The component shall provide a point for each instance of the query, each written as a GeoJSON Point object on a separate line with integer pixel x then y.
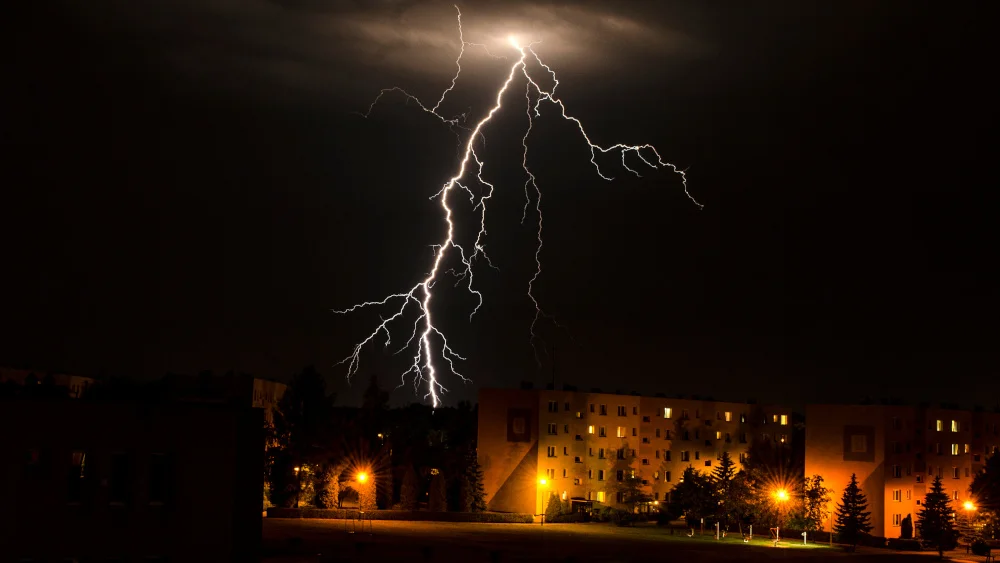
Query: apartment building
{"type": "Point", "coordinates": [75, 385]}
{"type": "Point", "coordinates": [896, 451]}
{"type": "Point", "coordinates": [130, 481]}
{"type": "Point", "coordinates": [577, 445]}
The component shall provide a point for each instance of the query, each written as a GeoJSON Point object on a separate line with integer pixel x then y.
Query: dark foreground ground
{"type": "Point", "coordinates": [295, 541]}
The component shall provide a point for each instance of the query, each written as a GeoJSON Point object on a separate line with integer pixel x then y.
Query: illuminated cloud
{"type": "Point", "coordinates": [331, 44]}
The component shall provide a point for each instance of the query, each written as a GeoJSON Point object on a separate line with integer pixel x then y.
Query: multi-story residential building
{"type": "Point", "coordinates": [896, 451]}
{"type": "Point", "coordinates": [579, 446]}
{"type": "Point", "coordinates": [110, 480]}
{"type": "Point", "coordinates": [75, 385]}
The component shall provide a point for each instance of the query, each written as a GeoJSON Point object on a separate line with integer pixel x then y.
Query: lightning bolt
{"type": "Point", "coordinates": [419, 297]}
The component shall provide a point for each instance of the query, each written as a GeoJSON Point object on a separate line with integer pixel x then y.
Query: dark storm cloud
{"type": "Point", "coordinates": [321, 46]}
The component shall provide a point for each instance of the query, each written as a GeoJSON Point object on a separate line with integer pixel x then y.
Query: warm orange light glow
{"type": "Point", "coordinates": [362, 477]}
{"type": "Point", "coordinates": [542, 481]}
{"type": "Point", "coordinates": [968, 505]}
{"type": "Point", "coordinates": [781, 494]}
{"type": "Point", "coordinates": [296, 469]}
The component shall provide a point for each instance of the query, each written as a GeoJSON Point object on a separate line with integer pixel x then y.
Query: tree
{"type": "Point", "coordinates": [986, 490]}
{"type": "Point", "coordinates": [302, 431]}
{"type": "Point", "coordinates": [554, 507]}
{"type": "Point", "coordinates": [438, 501]}
{"type": "Point", "coordinates": [906, 528]}
{"type": "Point", "coordinates": [474, 477]}
{"type": "Point", "coordinates": [815, 498]}
{"type": "Point", "coordinates": [409, 491]}
{"type": "Point", "coordinates": [935, 521]}
{"type": "Point", "coordinates": [723, 482]}
{"type": "Point", "coordinates": [627, 485]}
{"type": "Point", "coordinates": [694, 496]}
{"type": "Point", "coordinates": [852, 518]}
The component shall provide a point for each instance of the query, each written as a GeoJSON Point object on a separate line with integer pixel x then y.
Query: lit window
{"type": "Point", "coordinates": [955, 495]}
{"type": "Point", "coordinates": [718, 434]}
{"type": "Point", "coordinates": [939, 425]}
{"type": "Point", "coordinates": [656, 475]}
{"type": "Point", "coordinates": [622, 432]}
{"type": "Point", "coordinates": [667, 412]}
{"type": "Point", "coordinates": [565, 495]}
{"type": "Point", "coordinates": [729, 416]}
{"type": "Point", "coordinates": [954, 449]}
{"type": "Point", "coordinates": [954, 426]}
{"type": "Point", "coordinates": [579, 414]}
{"type": "Point", "coordinates": [966, 448]}
{"type": "Point", "coordinates": [784, 420]}
{"type": "Point", "coordinates": [774, 418]}
{"type": "Point", "coordinates": [590, 429]}
{"type": "Point", "coordinates": [600, 496]}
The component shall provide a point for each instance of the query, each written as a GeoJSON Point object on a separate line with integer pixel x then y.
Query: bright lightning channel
{"type": "Point", "coordinates": [419, 297]}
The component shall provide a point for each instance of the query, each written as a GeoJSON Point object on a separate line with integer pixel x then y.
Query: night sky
{"type": "Point", "coordinates": [187, 186]}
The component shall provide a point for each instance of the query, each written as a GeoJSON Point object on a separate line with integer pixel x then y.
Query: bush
{"type": "Point", "coordinates": [334, 514]}
{"type": "Point", "coordinates": [572, 517]}
{"type": "Point", "coordinates": [903, 544]}
{"type": "Point", "coordinates": [980, 547]}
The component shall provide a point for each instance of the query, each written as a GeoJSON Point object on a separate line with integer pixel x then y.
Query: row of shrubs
{"type": "Point", "coordinates": [339, 514]}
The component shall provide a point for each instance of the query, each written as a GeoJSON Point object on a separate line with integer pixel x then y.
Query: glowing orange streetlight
{"type": "Point", "coordinates": [781, 495]}
{"type": "Point", "coordinates": [542, 481]}
{"type": "Point", "coordinates": [362, 477]}
{"type": "Point", "coordinates": [969, 506]}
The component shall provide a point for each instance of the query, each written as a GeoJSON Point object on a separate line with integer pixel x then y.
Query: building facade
{"type": "Point", "coordinates": [580, 446]}
{"type": "Point", "coordinates": [895, 452]}
{"type": "Point", "coordinates": [125, 481]}
{"type": "Point", "coordinates": [75, 385]}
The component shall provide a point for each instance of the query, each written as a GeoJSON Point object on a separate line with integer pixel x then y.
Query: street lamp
{"type": "Point", "coordinates": [782, 496]}
{"type": "Point", "coordinates": [362, 477]}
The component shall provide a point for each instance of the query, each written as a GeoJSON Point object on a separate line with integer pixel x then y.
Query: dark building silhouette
{"type": "Point", "coordinates": [130, 481]}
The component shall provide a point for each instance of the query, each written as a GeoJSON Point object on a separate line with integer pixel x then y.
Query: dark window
{"type": "Point", "coordinates": [118, 478]}
{"type": "Point", "coordinates": [77, 474]}
{"type": "Point", "coordinates": [159, 478]}
{"type": "Point", "coordinates": [708, 463]}
{"type": "Point", "coordinates": [566, 406]}
{"type": "Point", "coordinates": [620, 475]}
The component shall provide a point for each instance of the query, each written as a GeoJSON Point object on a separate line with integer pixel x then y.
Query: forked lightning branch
{"type": "Point", "coordinates": [412, 309]}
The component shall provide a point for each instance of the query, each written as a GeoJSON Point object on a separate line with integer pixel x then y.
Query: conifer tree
{"type": "Point", "coordinates": [852, 518]}
{"type": "Point", "coordinates": [935, 521]}
{"type": "Point", "coordinates": [553, 508]}
{"type": "Point", "coordinates": [409, 490]}
{"type": "Point", "coordinates": [438, 501]}
{"type": "Point", "coordinates": [474, 478]}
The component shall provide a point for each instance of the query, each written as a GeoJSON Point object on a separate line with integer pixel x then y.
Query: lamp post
{"type": "Point", "coordinates": [970, 509]}
{"type": "Point", "coordinates": [782, 497]}
{"type": "Point", "coordinates": [298, 485]}
{"type": "Point", "coordinates": [542, 486]}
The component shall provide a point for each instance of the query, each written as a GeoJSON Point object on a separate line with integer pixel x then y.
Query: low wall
{"type": "Point", "coordinates": [335, 514]}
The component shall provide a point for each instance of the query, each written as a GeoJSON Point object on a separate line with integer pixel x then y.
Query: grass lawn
{"type": "Point", "coordinates": [294, 541]}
